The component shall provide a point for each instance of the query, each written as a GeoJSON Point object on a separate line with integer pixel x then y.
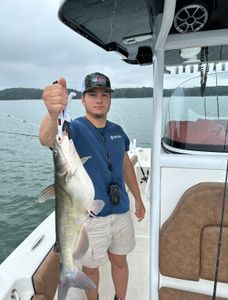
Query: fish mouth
{"type": "Point", "coordinates": [59, 153]}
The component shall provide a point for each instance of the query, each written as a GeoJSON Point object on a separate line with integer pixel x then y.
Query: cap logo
{"type": "Point", "coordinates": [96, 80]}
{"type": "Point", "coordinates": [99, 79]}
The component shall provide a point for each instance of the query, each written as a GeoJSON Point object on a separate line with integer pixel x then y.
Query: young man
{"type": "Point", "coordinates": [111, 233]}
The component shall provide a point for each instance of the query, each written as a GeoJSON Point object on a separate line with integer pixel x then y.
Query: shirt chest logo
{"type": "Point", "coordinates": [115, 137]}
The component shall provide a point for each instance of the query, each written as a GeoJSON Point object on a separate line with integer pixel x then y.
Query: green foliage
{"type": "Point", "coordinates": [20, 93]}
{"type": "Point", "coordinates": [24, 93]}
{"type": "Point", "coordinates": [143, 92]}
{"type": "Point", "coordinates": [30, 93]}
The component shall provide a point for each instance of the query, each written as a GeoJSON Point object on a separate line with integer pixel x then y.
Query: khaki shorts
{"type": "Point", "coordinates": [114, 233]}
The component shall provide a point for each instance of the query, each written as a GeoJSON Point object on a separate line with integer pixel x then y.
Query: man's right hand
{"type": "Point", "coordinates": [55, 98]}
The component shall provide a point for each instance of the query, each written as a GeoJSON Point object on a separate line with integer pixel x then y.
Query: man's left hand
{"type": "Point", "coordinates": [139, 210]}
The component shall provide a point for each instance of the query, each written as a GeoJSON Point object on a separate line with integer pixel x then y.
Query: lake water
{"type": "Point", "coordinates": [27, 167]}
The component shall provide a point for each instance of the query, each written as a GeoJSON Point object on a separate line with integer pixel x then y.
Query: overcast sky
{"type": "Point", "coordinates": [36, 49]}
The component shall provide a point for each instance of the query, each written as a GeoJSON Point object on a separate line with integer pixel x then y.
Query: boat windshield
{"type": "Point", "coordinates": [196, 117]}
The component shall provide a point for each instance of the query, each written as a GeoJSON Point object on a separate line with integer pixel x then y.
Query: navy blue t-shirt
{"type": "Point", "coordinates": [105, 146]}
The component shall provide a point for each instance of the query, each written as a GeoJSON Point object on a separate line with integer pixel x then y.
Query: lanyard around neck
{"type": "Point", "coordinates": [100, 133]}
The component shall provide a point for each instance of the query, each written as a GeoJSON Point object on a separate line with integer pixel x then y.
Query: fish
{"type": "Point", "coordinates": [74, 199]}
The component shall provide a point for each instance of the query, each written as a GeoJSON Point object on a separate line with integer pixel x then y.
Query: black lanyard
{"type": "Point", "coordinates": [104, 142]}
{"type": "Point", "coordinates": [100, 134]}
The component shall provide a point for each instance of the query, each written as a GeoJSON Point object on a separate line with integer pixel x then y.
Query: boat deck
{"type": "Point", "coordinates": [138, 261]}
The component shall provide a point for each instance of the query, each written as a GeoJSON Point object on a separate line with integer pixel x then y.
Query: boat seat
{"type": "Point", "coordinates": [46, 278]}
{"type": "Point", "coordinates": [174, 294]}
{"type": "Point", "coordinates": [189, 237]}
{"type": "Point", "coordinates": [201, 131]}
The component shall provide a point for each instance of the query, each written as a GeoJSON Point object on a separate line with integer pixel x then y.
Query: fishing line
{"type": "Point", "coordinates": [115, 112]}
{"type": "Point", "coordinates": [219, 249]}
{"type": "Point", "coordinates": [17, 133]}
{"type": "Point", "coordinates": [19, 119]}
{"type": "Point", "coordinates": [145, 176]}
{"type": "Point", "coordinates": [217, 97]}
{"type": "Point", "coordinates": [226, 132]}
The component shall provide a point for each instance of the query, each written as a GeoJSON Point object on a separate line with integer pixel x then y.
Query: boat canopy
{"type": "Point", "coordinates": [121, 26]}
{"type": "Point", "coordinates": [130, 27]}
{"type": "Point", "coordinates": [197, 38]}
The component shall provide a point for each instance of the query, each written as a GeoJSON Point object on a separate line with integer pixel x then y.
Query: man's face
{"type": "Point", "coordinates": [97, 102]}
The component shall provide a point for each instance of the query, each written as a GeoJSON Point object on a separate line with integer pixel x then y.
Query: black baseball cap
{"type": "Point", "coordinates": [95, 80]}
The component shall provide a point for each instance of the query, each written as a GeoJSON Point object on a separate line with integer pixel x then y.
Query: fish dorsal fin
{"type": "Point", "coordinates": [85, 158]}
{"type": "Point", "coordinates": [82, 244]}
{"type": "Point", "coordinates": [96, 207]}
{"type": "Point", "coordinates": [47, 194]}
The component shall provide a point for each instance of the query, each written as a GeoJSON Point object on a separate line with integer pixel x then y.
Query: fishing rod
{"type": "Point", "coordinates": [145, 176]}
{"type": "Point", "coordinates": [219, 248]}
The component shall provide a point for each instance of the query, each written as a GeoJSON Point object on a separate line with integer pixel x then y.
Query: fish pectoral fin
{"type": "Point", "coordinates": [75, 279]}
{"type": "Point", "coordinates": [69, 176]}
{"type": "Point", "coordinates": [84, 159]}
{"type": "Point", "coordinates": [47, 194]}
{"type": "Point", "coordinates": [97, 207]}
{"type": "Point", "coordinates": [82, 244]}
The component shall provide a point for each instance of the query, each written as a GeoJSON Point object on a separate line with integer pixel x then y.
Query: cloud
{"type": "Point", "coordinates": [36, 48]}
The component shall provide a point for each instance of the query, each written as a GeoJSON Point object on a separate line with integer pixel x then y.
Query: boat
{"type": "Point", "coordinates": [182, 246]}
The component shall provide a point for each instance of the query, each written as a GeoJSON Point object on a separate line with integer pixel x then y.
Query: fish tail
{"type": "Point", "coordinates": [75, 279]}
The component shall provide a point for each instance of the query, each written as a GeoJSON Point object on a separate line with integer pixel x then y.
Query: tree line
{"type": "Point", "coordinates": [141, 92]}
{"type": "Point", "coordinates": [32, 93]}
